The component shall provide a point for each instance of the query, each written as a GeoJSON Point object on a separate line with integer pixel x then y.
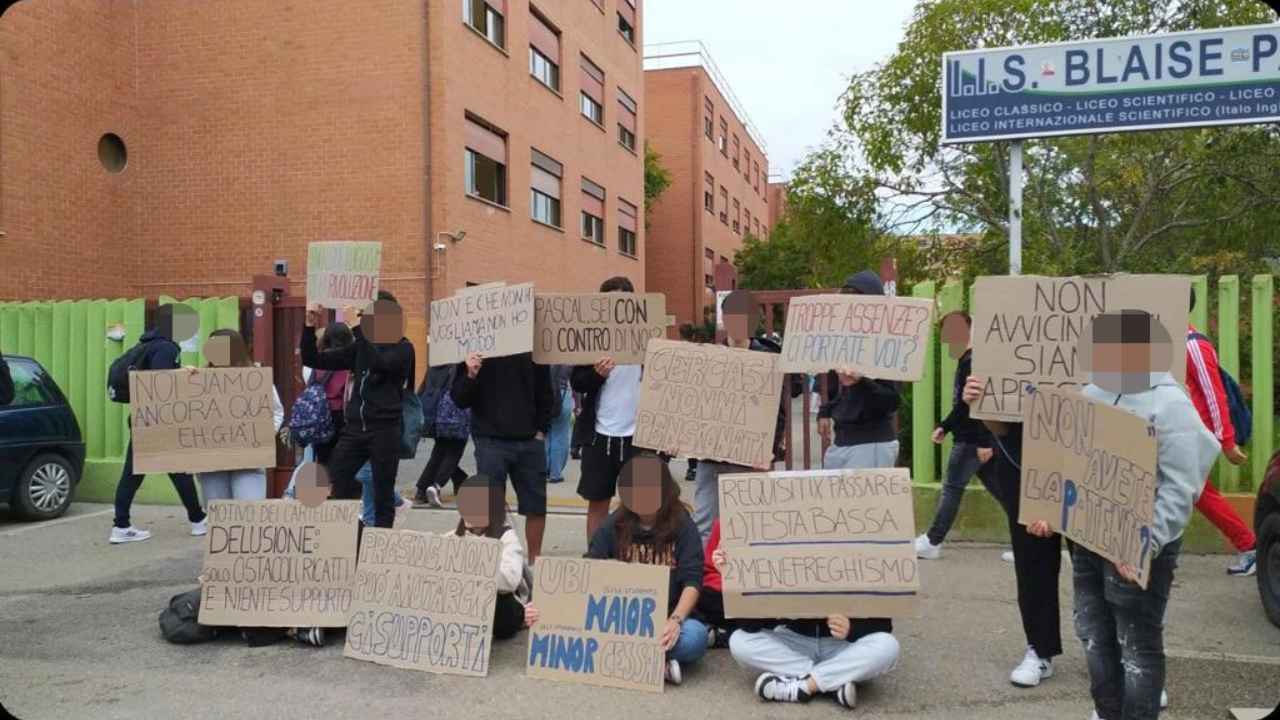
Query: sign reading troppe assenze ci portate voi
{"type": "Point", "coordinates": [1225, 76]}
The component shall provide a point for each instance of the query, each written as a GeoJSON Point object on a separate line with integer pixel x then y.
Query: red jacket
{"type": "Point", "coordinates": [710, 575]}
{"type": "Point", "coordinates": [1204, 384]}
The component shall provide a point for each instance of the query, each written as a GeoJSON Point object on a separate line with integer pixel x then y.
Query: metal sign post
{"type": "Point", "coordinates": [1015, 208]}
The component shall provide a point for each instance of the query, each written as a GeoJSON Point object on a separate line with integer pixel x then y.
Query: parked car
{"type": "Point", "coordinates": [1266, 523]}
{"type": "Point", "coordinates": [41, 450]}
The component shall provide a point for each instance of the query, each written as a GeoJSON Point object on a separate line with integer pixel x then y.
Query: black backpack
{"type": "Point", "coordinates": [178, 622]}
{"type": "Point", "coordinates": [118, 373]}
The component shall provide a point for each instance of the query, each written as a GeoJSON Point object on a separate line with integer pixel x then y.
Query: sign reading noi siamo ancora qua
{"type": "Point", "coordinates": [1228, 76]}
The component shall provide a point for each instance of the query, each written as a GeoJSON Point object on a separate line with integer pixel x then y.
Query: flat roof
{"type": "Point", "coordinates": [694, 53]}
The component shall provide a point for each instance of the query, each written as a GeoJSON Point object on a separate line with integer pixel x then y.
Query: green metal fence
{"type": "Point", "coordinates": [70, 339]}
{"type": "Point", "coordinates": [932, 396]}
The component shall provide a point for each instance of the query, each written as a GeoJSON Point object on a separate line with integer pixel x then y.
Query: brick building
{"type": "Point", "coordinates": [777, 200]}
{"type": "Point", "coordinates": [719, 176]}
{"type": "Point", "coordinates": [174, 148]}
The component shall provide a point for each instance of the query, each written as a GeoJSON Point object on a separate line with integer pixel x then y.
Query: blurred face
{"type": "Point", "coordinates": [312, 486]}
{"type": "Point", "coordinates": [955, 333]}
{"type": "Point", "coordinates": [1122, 355]}
{"type": "Point", "coordinates": [476, 502]}
{"type": "Point", "coordinates": [225, 351]}
{"type": "Point", "coordinates": [186, 326]}
{"type": "Point", "coordinates": [641, 486]}
{"type": "Point", "coordinates": [383, 322]}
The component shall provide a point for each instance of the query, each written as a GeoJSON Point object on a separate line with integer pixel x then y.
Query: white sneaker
{"type": "Point", "coordinates": [672, 674]}
{"type": "Point", "coordinates": [433, 497]}
{"type": "Point", "coordinates": [1031, 670]}
{"type": "Point", "coordinates": [1164, 699]}
{"type": "Point", "coordinates": [776, 688]}
{"type": "Point", "coordinates": [126, 535]}
{"type": "Point", "coordinates": [1095, 716]}
{"type": "Point", "coordinates": [926, 550]}
{"type": "Point", "coordinates": [200, 528]}
{"type": "Point", "coordinates": [847, 695]}
{"type": "Point", "coordinates": [401, 511]}
{"type": "Point", "coordinates": [1007, 556]}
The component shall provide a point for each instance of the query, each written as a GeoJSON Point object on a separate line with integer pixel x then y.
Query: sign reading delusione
{"type": "Point", "coordinates": [1225, 76]}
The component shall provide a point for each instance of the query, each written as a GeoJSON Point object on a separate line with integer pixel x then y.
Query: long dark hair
{"type": "Point", "coordinates": [337, 336]}
{"type": "Point", "coordinates": [497, 507]}
{"type": "Point", "coordinates": [239, 351]}
{"type": "Point", "coordinates": [669, 518]}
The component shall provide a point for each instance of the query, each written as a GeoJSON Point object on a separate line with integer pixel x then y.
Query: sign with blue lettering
{"type": "Point", "coordinates": [1089, 471]}
{"type": "Point", "coordinates": [1227, 76]}
{"type": "Point", "coordinates": [601, 623]}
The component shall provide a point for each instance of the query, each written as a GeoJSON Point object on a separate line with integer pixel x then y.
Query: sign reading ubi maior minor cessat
{"type": "Point", "coordinates": [1227, 76]}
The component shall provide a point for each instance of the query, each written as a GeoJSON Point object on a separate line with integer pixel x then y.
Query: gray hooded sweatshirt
{"type": "Point", "coordinates": [1185, 450]}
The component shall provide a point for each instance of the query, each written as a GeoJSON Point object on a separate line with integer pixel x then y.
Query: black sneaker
{"type": "Point", "coordinates": [782, 689]}
{"type": "Point", "coordinates": [847, 696]}
{"type": "Point", "coordinates": [717, 638]}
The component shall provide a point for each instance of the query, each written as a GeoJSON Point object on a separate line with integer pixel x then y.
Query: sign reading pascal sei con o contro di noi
{"type": "Point", "coordinates": [1226, 76]}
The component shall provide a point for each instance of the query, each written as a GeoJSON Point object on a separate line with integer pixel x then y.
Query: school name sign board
{"type": "Point", "coordinates": [494, 320]}
{"type": "Point", "coordinates": [1089, 470]}
{"type": "Point", "coordinates": [882, 337]}
{"type": "Point", "coordinates": [813, 543]}
{"type": "Point", "coordinates": [342, 274]}
{"type": "Point", "coordinates": [202, 420]}
{"type": "Point", "coordinates": [1226, 76]}
{"type": "Point", "coordinates": [424, 602]}
{"type": "Point", "coordinates": [581, 329]}
{"type": "Point", "coordinates": [601, 623]}
{"type": "Point", "coordinates": [1027, 330]}
{"type": "Point", "coordinates": [709, 402]}
{"type": "Point", "coordinates": [279, 563]}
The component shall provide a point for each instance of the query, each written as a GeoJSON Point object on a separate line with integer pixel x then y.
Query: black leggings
{"type": "Point", "coordinates": [508, 617]}
{"type": "Point", "coordinates": [446, 453]}
{"type": "Point", "coordinates": [129, 483]}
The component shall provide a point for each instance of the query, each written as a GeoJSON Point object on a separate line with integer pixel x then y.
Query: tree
{"type": "Point", "coordinates": [1152, 201]}
{"type": "Point", "coordinates": [657, 178]}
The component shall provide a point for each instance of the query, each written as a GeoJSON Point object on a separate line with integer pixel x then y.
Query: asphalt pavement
{"type": "Point", "coordinates": [79, 639]}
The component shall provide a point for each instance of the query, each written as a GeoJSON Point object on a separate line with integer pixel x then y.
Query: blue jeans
{"type": "Point", "coordinates": [365, 477]}
{"type": "Point", "coordinates": [962, 465]}
{"type": "Point", "coordinates": [1122, 628]}
{"type": "Point", "coordinates": [558, 440]}
{"type": "Point", "coordinates": [692, 643]}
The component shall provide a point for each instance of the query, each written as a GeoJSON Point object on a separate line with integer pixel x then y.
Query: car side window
{"type": "Point", "coordinates": [28, 386]}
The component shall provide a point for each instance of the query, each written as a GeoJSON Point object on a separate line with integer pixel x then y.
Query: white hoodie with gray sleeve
{"type": "Point", "coordinates": [1185, 451]}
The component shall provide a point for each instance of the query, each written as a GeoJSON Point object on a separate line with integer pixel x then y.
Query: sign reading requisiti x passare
{"type": "Point", "coordinates": [1226, 76]}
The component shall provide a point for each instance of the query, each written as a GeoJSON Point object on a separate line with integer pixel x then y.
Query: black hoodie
{"type": "Point", "coordinates": [683, 555]}
{"type": "Point", "coordinates": [817, 628]}
{"type": "Point", "coordinates": [380, 374]}
{"type": "Point", "coordinates": [964, 428]}
{"type": "Point", "coordinates": [510, 399]}
{"type": "Point", "coordinates": [863, 412]}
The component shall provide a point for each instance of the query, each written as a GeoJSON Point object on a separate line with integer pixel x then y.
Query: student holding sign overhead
{"type": "Point", "coordinates": [859, 410]}
{"type": "Point", "coordinates": [611, 397]}
{"type": "Point", "coordinates": [381, 361]}
{"type": "Point", "coordinates": [1120, 623]}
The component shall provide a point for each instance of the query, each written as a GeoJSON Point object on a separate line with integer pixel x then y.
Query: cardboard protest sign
{"type": "Point", "coordinates": [424, 602]}
{"type": "Point", "coordinates": [494, 319]}
{"type": "Point", "coordinates": [601, 623]}
{"type": "Point", "coordinates": [882, 337]}
{"type": "Point", "coordinates": [581, 329]}
{"type": "Point", "coordinates": [1026, 330]}
{"type": "Point", "coordinates": [1089, 470]}
{"type": "Point", "coordinates": [709, 402]}
{"type": "Point", "coordinates": [813, 543]}
{"type": "Point", "coordinates": [279, 563]}
{"type": "Point", "coordinates": [202, 420]}
{"type": "Point", "coordinates": [341, 274]}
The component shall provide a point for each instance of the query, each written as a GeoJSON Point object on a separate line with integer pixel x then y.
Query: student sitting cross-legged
{"type": "Point", "coordinates": [654, 528]}
{"type": "Point", "coordinates": [483, 507]}
{"type": "Point", "coordinates": [801, 659]}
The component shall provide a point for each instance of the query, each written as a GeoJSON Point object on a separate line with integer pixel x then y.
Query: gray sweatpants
{"type": "Point", "coordinates": [861, 457]}
{"type": "Point", "coordinates": [233, 484]}
{"type": "Point", "coordinates": [706, 493]}
{"type": "Point", "coordinates": [831, 662]}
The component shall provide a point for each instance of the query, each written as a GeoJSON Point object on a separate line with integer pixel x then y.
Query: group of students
{"type": "Point", "coordinates": [509, 405]}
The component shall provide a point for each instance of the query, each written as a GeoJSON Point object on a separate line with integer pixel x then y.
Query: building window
{"type": "Point", "coordinates": [486, 17]}
{"type": "Point", "coordinates": [709, 119]}
{"type": "Point", "coordinates": [592, 212]}
{"type": "Point", "coordinates": [486, 162]}
{"type": "Point", "coordinates": [737, 152]}
{"type": "Point", "coordinates": [708, 254]}
{"type": "Point", "coordinates": [737, 216]}
{"type": "Point", "coordinates": [756, 173]}
{"type": "Point", "coordinates": [709, 194]}
{"type": "Point", "coordinates": [626, 120]}
{"type": "Point", "coordinates": [544, 51]}
{"type": "Point", "coordinates": [746, 220]}
{"type": "Point", "coordinates": [757, 227]}
{"type": "Point", "coordinates": [724, 205]}
{"type": "Point", "coordinates": [724, 137]}
{"type": "Point", "coordinates": [627, 20]}
{"type": "Point", "coordinates": [626, 228]}
{"type": "Point", "coordinates": [544, 186]}
{"type": "Point", "coordinates": [592, 82]}
{"type": "Point", "coordinates": [709, 281]}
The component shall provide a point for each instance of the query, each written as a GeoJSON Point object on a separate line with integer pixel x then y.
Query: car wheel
{"type": "Point", "coordinates": [44, 490]}
{"type": "Point", "coordinates": [1269, 567]}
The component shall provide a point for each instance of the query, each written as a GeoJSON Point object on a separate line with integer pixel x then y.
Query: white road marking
{"type": "Point", "coordinates": [50, 523]}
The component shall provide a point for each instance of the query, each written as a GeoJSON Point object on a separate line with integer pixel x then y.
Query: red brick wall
{"type": "Point", "coordinates": [65, 80]}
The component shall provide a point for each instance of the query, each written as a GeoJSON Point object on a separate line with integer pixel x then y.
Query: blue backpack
{"type": "Point", "coordinates": [1241, 416]}
{"type": "Point", "coordinates": [452, 422]}
{"type": "Point", "coordinates": [309, 421]}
